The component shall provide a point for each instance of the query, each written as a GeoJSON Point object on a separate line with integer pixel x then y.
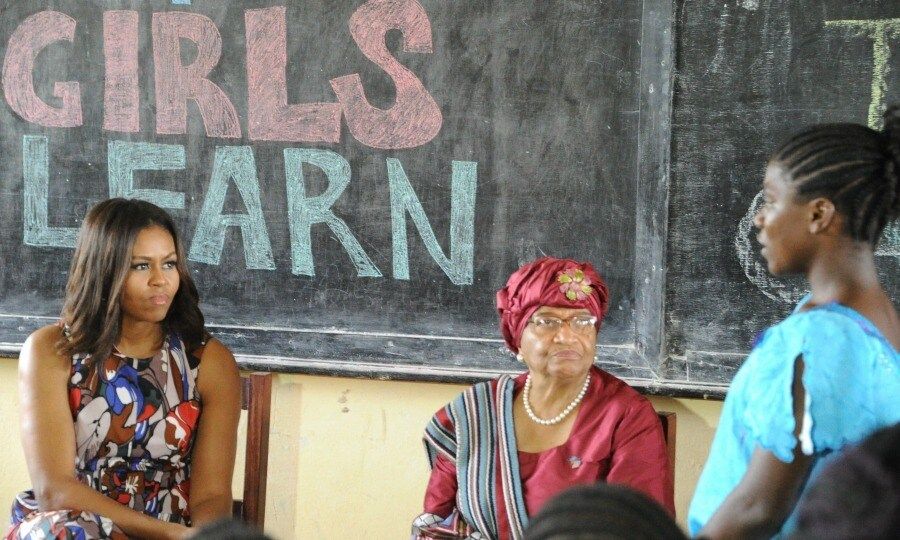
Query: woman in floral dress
{"type": "Point", "coordinates": [129, 408]}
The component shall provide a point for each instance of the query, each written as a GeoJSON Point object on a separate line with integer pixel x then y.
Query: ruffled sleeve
{"type": "Point", "coordinates": [837, 355]}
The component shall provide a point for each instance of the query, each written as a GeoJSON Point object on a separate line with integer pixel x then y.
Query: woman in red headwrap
{"type": "Point", "coordinates": [503, 448]}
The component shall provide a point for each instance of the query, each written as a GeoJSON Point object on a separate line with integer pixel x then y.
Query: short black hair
{"type": "Point", "coordinates": [229, 529]}
{"type": "Point", "coordinates": [857, 495]}
{"type": "Point", "coordinates": [602, 512]}
{"type": "Point", "coordinates": [854, 166]}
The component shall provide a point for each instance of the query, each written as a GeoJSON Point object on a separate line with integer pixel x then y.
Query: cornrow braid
{"type": "Point", "coordinates": [854, 166]}
{"type": "Point", "coordinates": [892, 168]}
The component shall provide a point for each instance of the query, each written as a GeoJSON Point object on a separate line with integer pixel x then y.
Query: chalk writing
{"type": "Point", "coordinates": [304, 212]}
{"type": "Point", "coordinates": [415, 118]}
{"type": "Point", "coordinates": [176, 83]}
{"type": "Point", "coordinates": [30, 38]}
{"type": "Point", "coordinates": [233, 163]}
{"type": "Point", "coordinates": [237, 164]}
{"type": "Point", "coordinates": [269, 117]}
{"type": "Point", "coordinates": [411, 121]}
{"type": "Point", "coordinates": [458, 266]}
{"type": "Point", "coordinates": [121, 92]}
{"type": "Point", "coordinates": [126, 157]}
{"type": "Point", "coordinates": [36, 176]}
{"type": "Point", "coordinates": [878, 30]}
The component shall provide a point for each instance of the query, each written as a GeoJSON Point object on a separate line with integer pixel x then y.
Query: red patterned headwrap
{"type": "Point", "coordinates": [549, 282]}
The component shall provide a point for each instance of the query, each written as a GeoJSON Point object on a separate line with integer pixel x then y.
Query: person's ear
{"type": "Point", "coordinates": [823, 215]}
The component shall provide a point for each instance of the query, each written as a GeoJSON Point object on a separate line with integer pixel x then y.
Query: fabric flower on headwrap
{"type": "Point", "coordinates": [575, 285]}
{"type": "Point", "coordinates": [551, 282]}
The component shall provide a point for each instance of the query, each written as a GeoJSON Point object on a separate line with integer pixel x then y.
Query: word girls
{"type": "Point", "coordinates": [412, 121]}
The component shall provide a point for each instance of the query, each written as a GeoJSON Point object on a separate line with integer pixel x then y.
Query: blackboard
{"type": "Point", "coordinates": [297, 142]}
{"type": "Point", "coordinates": [354, 180]}
{"type": "Point", "coordinates": [749, 74]}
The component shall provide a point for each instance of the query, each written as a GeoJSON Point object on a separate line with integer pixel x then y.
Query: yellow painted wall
{"type": "Point", "coordinates": [13, 476]}
{"type": "Point", "coordinates": [346, 454]}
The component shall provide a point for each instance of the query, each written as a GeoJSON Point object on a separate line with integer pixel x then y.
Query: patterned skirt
{"type": "Point", "coordinates": [30, 524]}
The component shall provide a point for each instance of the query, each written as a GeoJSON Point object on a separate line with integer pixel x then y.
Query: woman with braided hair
{"type": "Point", "coordinates": [829, 374]}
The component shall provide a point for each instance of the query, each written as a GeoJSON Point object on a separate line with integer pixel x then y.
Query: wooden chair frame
{"type": "Point", "coordinates": [256, 399]}
{"type": "Point", "coordinates": [669, 423]}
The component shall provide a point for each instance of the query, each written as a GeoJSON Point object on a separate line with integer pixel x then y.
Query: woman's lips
{"type": "Point", "coordinates": [568, 354]}
{"type": "Point", "coordinates": [159, 299]}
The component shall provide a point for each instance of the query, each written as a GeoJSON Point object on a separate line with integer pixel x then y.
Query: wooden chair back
{"type": "Point", "coordinates": [669, 425]}
{"type": "Point", "coordinates": [256, 399]}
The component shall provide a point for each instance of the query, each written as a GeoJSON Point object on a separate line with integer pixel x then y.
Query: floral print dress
{"type": "Point", "coordinates": [135, 421]}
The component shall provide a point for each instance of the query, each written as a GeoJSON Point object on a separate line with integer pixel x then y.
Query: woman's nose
{"type": "Point", "coordinates": [565, 332]}
{"type": "Point", "coordinates": [758, 219]}
{"type": "Point", "coordinates": [157, 277]}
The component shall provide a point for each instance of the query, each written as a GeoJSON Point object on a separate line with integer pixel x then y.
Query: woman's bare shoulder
{"type": "Point", "coordinates": [41, 351]}
{"type": "Point", "coordinates": [218, 369]}
{"type": "Point", "coordinates": [215, 352]}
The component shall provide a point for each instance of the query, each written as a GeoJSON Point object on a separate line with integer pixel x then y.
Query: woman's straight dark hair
{"type": "Point", "coordinates": [92, 311]}
{"type": "Point", "coordinates": [854, 166]}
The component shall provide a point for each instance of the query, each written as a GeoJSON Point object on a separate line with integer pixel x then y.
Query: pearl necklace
{"type": "Point", "coordinates": [558, 418]}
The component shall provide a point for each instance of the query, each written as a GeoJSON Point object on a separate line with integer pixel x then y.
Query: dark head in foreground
{"type": "Point", "coordinates": [857, 495]}
{"type": "Point", "coordinates": [229, 529]}
{"type": "Point", "coordinates": [602, 512]}
{"type": "Point", "coordinates": [96, 293]}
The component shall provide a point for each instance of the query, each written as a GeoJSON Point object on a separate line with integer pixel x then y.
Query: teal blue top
{"type": "Point", "coordinates": [851, 378]}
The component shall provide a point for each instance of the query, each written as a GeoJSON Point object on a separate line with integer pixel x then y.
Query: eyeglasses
{"type": "Point", "coordinates": [580, 324]}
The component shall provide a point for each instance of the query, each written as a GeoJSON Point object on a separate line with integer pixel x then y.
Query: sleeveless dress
{"type": "Point", "coordinates": [135, 421]}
